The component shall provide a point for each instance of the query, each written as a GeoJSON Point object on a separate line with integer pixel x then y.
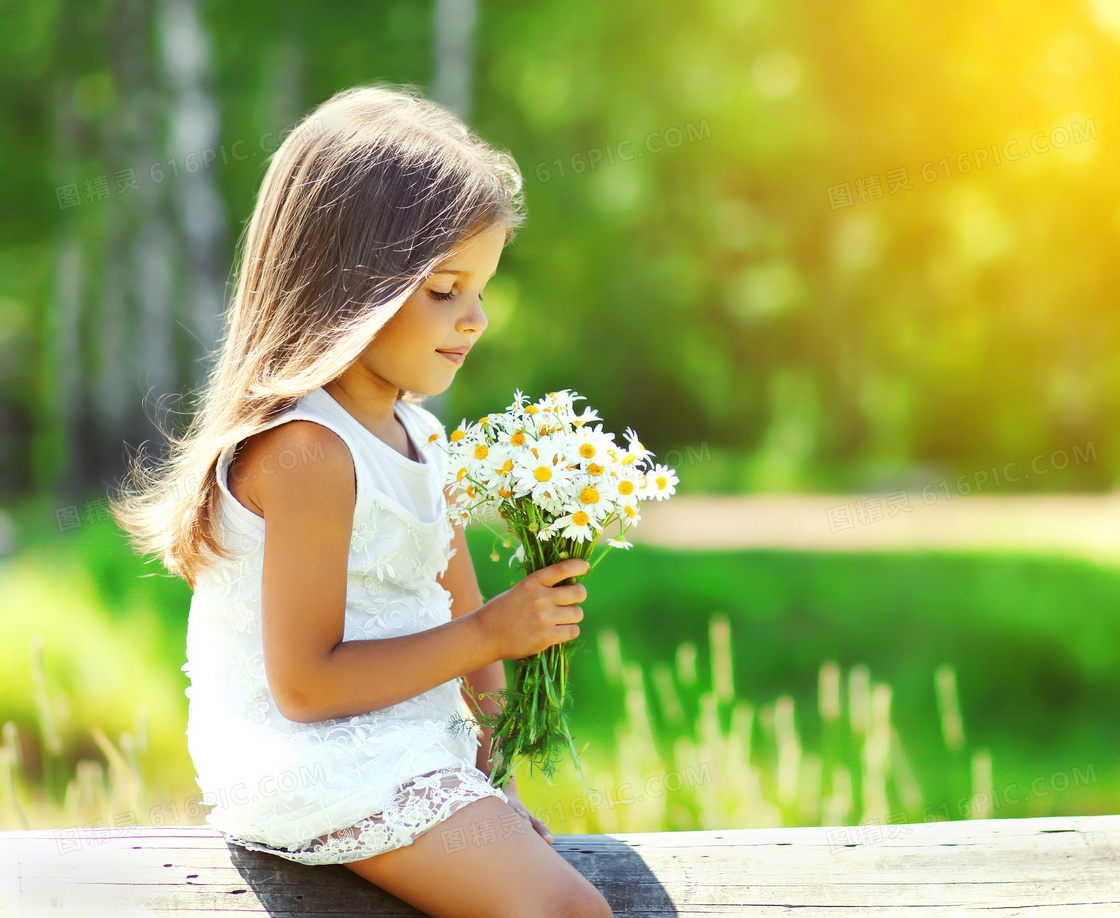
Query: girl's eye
{"type": "Point", "coordinates": [435, 294]}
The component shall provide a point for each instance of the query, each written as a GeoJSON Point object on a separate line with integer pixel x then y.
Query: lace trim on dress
{"type": "Point", "coordinates": [417, 806]}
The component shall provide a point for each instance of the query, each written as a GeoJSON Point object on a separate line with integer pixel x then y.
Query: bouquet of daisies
{"type": "Point", "coordinates": [559, 481]}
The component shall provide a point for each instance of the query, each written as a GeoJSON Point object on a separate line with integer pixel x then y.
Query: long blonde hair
{"type": "Point", "coordinates": [361, 201]}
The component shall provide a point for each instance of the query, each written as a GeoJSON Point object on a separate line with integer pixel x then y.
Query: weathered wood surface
{"type": "Point", "coordinates": [1020, 867]}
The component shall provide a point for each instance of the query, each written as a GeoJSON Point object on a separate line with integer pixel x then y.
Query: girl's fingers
{"type": "Point", "coordinates": [542, 827]}
{"type": "Point", "coordinates": [561, 570]}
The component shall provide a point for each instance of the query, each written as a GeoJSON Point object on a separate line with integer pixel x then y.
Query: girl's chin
{"type": "Point", "coordinates": [431, 387]}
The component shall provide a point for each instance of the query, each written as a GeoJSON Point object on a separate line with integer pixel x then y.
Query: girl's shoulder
{"type": "Point", "coordinates": [281, 455]}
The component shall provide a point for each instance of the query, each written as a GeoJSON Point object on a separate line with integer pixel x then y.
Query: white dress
{"type": "Point", "coordinates": [347, 788]}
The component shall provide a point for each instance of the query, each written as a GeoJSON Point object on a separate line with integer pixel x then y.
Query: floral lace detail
{"type": "Point", "coordinates": [242, 617]}
{"type": "Point", "coordinates": [257, 707]}
{"type": "Point", "coordinates": [361, 537]}
{"type": "Point", "coordinates": [382, 777]}
{"type": "Point", "coordinates": [417, 806]}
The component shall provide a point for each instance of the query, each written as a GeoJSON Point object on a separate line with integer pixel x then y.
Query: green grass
{"type": "Point", "coordinates": [1030, 640]}
{"type": "Point", "coordinates": [726, 763]}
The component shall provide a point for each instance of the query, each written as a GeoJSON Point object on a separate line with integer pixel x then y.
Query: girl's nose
{"type": "Point", "coordinates": [474, 320]}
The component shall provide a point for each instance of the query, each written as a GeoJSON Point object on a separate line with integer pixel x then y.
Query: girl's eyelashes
{"type": "Point", "coordinates": [437, 295]}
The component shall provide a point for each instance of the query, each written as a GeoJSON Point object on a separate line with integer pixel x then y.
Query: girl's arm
{"type": "Point", "coordinates": [314, 674]}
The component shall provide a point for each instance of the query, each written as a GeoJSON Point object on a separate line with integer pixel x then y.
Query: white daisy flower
{"type": "Point", "coordinates": [544, 468]}
{"type": "Point", "coordinates": [591, 500]}
{"type": "Point", "coordinates": [478, 459]}
{"type": "Point", "coordinates": [661, 482]}
{"type": "Point", "coordinates": [630, 516]}
{"type": "Point", "coordinates": [634, 446]}
{"type": "Point", "coordinates": [497, 471]}
{"type": "Point", "coordinates": [514, 438]}
{"type": "Point", "coordinates": [551, 502]}
{"type": "Point", "coordinates": [624, 487]}
{"type": "Point", "coordinates": [576, 526]}
{"type": "Point", "coordinates": [592, 447]}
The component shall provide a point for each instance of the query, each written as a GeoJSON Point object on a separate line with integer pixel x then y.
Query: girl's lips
{"type": "Point", "coordinates": [454, 356]}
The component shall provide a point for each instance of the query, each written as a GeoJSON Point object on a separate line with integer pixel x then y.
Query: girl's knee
{"type": "Point", "coordinates": [516, 876]}
{"type": "Point", "coordinates": [589, 904]}
{"type": "Point", "coordinates": [572, 897]}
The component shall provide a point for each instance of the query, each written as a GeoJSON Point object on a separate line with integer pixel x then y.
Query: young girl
{"type": "Point", "coordinates": [335, 612]}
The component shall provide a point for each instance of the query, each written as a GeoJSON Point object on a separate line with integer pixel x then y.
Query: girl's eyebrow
{"type": "Point", "coordinates": [455, 271]}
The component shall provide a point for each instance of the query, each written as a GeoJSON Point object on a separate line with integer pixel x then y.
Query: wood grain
{"type": "Point", "coordinates": [1061, 866]}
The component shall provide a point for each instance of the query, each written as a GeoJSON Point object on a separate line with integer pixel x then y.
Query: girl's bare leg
{"type": "Point", "coordinates": [447, 875]}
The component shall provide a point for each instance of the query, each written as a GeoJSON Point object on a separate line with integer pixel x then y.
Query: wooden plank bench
{"type": "Point", "coordinates": [1068, 866]}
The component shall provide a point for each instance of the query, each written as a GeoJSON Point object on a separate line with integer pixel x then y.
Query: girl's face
{"type": "Point", "coordinates": [426, 341]}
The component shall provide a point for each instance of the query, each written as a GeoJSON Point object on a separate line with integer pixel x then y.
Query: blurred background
{"type": "Point", "coordinates": [851, 269]}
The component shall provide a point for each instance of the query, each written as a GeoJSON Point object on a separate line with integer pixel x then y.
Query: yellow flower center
{"type": "Point", "coordinates": [480, 451]}
{"type": "Point", "coordinates": [433, 438]}
{"type": "Point", "coordinates": [507, 467]}
{"type": "Point", "coordinates": [661, 482]}
{"type": "Point", "coordinates": [586, 450]}
{"type": "Point", "coordinates": [544, 429]}
{"type": "Point", "coordinates": [504, 492]}
{"type": "Point", "coordinates": [629, 459]}
{"type": "Point", "coordinates": [532, 409]}
{"type": "Point", "coordinates": [580, 518]}
{"type": "Point", "coordinates": [589, 496]}
{"type": "Point", "coordinates": [462, 472]}
{"type": "Point", "coordinates": [456, 436]}
{"type": "Point", "coordinates": [626, 487]}
{"type": "Point", "coordinates": [471, 491]}
{"type": "Point", "coordinates": [629, 511]}
{"type": "Point", "coordinates": [594, 469]}
{"type": "Point", "coordinates": [517, 439]}
{"type": "Point", "coordinates": [543, 473]}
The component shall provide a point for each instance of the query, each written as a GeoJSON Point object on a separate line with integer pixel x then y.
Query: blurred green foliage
{"type": "Point", "coordinates": [1038, 690]}
{"type": "Point", "coordinates": [686, 263]}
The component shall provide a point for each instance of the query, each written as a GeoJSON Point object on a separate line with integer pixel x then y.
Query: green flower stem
{"type": "Point", "coordinates": [532, 722]}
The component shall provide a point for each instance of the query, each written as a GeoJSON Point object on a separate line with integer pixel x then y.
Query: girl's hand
{"type": "Point", "coordinates": [536, 613]}
{"type": "Point", "coordinates": [538, 824]}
